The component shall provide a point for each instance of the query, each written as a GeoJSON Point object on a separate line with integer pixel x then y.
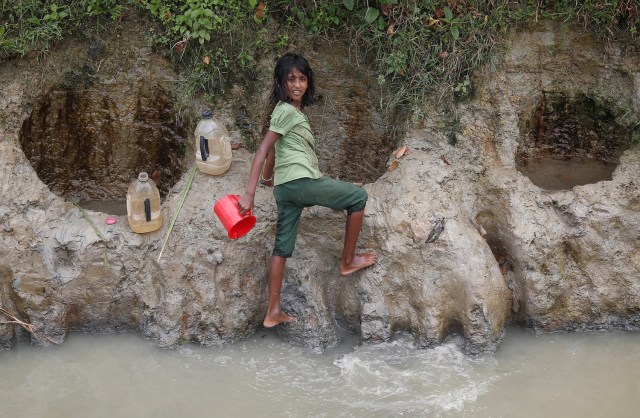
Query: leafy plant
{"type": "Point", "coordinates": [463, 87]}
{"type": "Point", "coordinates": [197, 21]}
{"type": "Point", "coordinates": [283, 40]}
{"type": "Point", "coordinates": [97, 8]}
{"type": "Point", "coordinates": [453, 23]}
{"type": "Point", "coordinates": [34, 24]}
{"type": "Point", "coordinates": [56, 13]}
{"type": "Point", "coordinates": [419, 48]}
{"type": "Point", "coordinates": [321, 18]}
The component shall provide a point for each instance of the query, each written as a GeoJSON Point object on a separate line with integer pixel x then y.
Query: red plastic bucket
{"type": "Point", "coordinates": [227, 211]}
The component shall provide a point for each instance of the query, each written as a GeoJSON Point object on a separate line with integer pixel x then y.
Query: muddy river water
{"type": "Point", "coordinates": [549, 375]}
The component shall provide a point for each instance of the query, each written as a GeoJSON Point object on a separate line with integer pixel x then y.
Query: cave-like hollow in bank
{"type": "Point", "coordinates": [88, 145]}
{"type": "Point", "coordinates": [573, 139]}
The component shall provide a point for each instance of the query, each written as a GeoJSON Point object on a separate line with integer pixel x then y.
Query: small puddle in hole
{"type": "Point", "coordinates": [561, 173]}
{"type": "Point", "coordinates": [117, 207]}
{"type": "Point", "coordinates": [111, 207]}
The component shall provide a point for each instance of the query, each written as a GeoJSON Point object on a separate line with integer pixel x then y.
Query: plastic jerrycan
{"type": "Point", "coordinates": [143, 205]}
{"type": "Point", "coordinates": [213, 149]}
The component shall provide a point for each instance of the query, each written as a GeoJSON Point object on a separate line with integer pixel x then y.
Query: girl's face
{"type": "Point", "coordinates": [296, 86]}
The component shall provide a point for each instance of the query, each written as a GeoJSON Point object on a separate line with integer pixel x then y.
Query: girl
{"type": "Point", "coordinates": [298, 181]}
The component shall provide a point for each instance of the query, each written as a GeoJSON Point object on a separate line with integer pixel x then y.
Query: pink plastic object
{"type": "Point", "coordinates": [110, 221]}
{"type": "Point", "coordinates": [227, 211]}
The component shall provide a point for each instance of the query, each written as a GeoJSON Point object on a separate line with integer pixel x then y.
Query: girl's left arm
{"type": "Point", "coordinates": [246, 200]}
{"type": "Point", "coordinates": [266, 177]}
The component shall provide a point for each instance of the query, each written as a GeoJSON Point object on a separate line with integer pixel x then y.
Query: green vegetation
{"type": "Point", "coordinates": [35, 24]}
{"type": "Point", "coordinates": [418, 48]}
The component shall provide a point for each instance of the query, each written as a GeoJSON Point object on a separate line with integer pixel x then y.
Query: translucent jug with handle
{"type": "Point", "coordinates": [213, 148]}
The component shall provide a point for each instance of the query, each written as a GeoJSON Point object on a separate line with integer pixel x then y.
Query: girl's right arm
{"type": "Point", "coordinates": [246, 200]}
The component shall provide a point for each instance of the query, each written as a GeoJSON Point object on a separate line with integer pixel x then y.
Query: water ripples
{"type": "Point", "coordinates": [123, 375]}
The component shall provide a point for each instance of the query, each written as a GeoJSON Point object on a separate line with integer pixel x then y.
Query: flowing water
{"type": "Point", "coordinates": [550, 375]}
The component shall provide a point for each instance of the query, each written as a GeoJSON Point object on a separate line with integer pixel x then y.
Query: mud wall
{"type": "Point", "coordinates": [466, 243]}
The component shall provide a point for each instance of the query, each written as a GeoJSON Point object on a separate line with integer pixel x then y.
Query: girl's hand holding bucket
{"type": "Point", "coordinates": [245, 203]}
{"type": "Point", "coordinates": [236, 218]}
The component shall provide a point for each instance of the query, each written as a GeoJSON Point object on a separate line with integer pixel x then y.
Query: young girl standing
{"type": "Point", "coordinates": [297, 179]}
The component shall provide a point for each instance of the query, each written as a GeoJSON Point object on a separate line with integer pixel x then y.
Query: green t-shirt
{"type": "Point", "coordinates": [295, 150]}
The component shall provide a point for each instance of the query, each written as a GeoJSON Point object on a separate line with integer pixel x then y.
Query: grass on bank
{"type": "Point", "coordinates": [417, 48]}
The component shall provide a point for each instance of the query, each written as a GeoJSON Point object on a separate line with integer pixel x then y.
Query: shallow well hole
{"type": "Point", "coordinates": [563, 173]}
{"type": "Point", "coordinates": [572, 141]}
{"type": "Point", "coordinates": [87, 146]}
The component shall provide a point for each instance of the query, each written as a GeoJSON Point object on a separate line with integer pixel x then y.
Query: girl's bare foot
{"type": "Point", "coordinates": [359, 261]}
{"type": "Point", "coordinates": [271, 320]}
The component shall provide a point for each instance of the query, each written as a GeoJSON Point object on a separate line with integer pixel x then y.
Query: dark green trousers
{"type": "Point", "coordinates": [293, 196]}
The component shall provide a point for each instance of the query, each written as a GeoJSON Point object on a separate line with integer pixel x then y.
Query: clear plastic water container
{"type": "Point", "coordinates": [143, 205]}
{"type": "Point", "coordinates": [213, 148]}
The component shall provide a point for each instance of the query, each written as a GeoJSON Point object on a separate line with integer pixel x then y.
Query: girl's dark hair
{"type": "Point", "coordinates": [284, 66]}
